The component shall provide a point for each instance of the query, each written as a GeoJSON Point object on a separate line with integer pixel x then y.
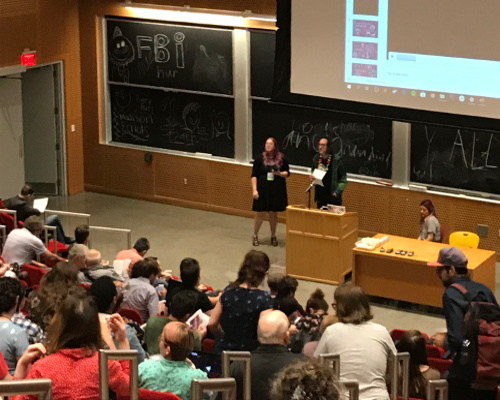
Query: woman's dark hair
{"type": "Point", "coordinates": [253, 270]}
{"type": "Point", "coordinates": [11, 294]}
{"type": "Point", "coordinates": [352, 304]}
{"type": "Point", "coordinates": [75, 325]}
{"type": "Point", "coordinates": [190, 272]}
{"type": "Point", "coordinates": [317, 301]}
{"type": "Point", "coordinates": [430, 207]}
{"type": "Point", "coordinates": [103, 290]}
{"type": "Point", "coordinates": [305, 380]}
{"type": "Point", "coordinates": [413, 342]}
{"type": "Point", "coordinates": [287, 286]}
{"type": "Point", "coordinates": [145, 268]}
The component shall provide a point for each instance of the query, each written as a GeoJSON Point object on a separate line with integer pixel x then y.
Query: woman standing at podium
{"type": "Point", "coordinates": [429, 225]}
{"type": "Point", "coordinates": [269, 173]}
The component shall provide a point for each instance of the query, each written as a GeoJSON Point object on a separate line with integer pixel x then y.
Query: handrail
{"type": "Point", "coordinates": [352, 387]}
{"type": "Point", "coordinates": [3, 233]}
{"type": "Point", "coordinates": [331, 360]}
{"type": "Point", "coordinates": [437, 389]}
{"type": "Point", "coordinates": [40, 387]}
{"type": "Point", "coordinates": [104, 357]}
{"type": "Point", "coordinates": [46, 230]}
{"type": "Point", "coordinates": [400, 368]}
{"type": "Point", "coordinates": [11, 212]}
{"type": "Point", "coordinates": [225, 385]}
{"type": "Point", "coordinates": [67, 213]}
{"type": "Point", "coordinates": [239, 356]}
{"type": "Point", "coordinates": [110, 229]}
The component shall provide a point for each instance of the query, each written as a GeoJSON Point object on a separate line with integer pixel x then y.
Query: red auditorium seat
{"type": "Point", "coordinates": [397, 333]}
{"type": "Point", "coordinates": [440, 364]}
{"type": "Point", "coordinates": [59, 247]}
{"type": "Point", "coordinates": [7, 220]}
{"type": "Point", "coordinates": [207, 345]}
{"type": "Point", "coordinates": [35, 274]}
{"type": "Point", "coordinates": [434, 351]}
{"type": "Point", "coordinates": [131, 314]}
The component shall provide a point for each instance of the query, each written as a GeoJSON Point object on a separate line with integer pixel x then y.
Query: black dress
{"type": "Point", "coordinates": [272, 193]}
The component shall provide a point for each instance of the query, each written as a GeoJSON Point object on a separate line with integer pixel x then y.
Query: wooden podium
{"type": "Point", "coordinates": [319, 244]}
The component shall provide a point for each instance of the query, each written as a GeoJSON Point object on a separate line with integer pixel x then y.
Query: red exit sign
{"type": "Point", "coordinates": [28, 59]}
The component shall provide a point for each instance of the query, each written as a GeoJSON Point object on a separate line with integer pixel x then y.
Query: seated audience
{"type": "Point", "coordinates": [429, 225]}
{"type": "Point", "coordinates": [139, 292]}
{"type": "Point", "coordinates": [172, 373]}
{"type": "Point", "coordinates": [20, 204]}
{"type": "Point", "coordinates": [235, 317]}
{"type": "Point", "coordinates": [23, 364]}
{"type": "Point", "coordinates": [94, 269]}
{"type": "Point", "coordinates": [272, 281]}
{"type": "Point", "coordinates": [24, 245]}
{"type": "Point", "coordinates": [413, 342]}
{"type": "Point", "coordinates": [82, 234]}
{"type": "Point", "coordinates": [306, 380]}
{"type": "Point", "coordinates": [285, 297]}
{"type": "Point", "coordinates": [73, 341]}
{"type": "Point", "coordinates": [77, 256]}
{"type": "Point", "coordinates": [269, 358]}
{"type": "Point", "coordinates": [134, 254]}
{"type": "Point", "coordinates": [54, 287]}
{"type": "Point", "coordinates": [190, 276]}
{"type": "Point", "coordinates": [308, 327]}
{"type": "Point", "coordinates": [365, 347]}
{"type": "Point", "coordinates": [181, 307]}
{"type": "Point", "coordinates": [107, 300]}
{"type": "Point", "coordinates": [13, 339]}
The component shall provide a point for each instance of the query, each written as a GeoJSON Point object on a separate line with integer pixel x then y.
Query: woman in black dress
{"type": "Point", "coordinates": [269, 173]}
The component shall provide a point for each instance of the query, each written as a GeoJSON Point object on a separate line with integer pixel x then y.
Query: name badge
{"type": "Point", "coordinates": [270, 176]}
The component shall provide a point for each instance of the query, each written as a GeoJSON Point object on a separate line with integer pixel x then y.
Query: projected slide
{"type": "Point", "coordinates": [437, 56]}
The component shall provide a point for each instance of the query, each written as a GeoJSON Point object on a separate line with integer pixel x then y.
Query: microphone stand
{"type": "Point", "coordinates": [308, 190]}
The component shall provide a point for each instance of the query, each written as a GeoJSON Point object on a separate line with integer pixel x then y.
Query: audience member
{"type": "Point", "coordinates": [20, 204]}
{"type": "Point", "coordinates": [107, 300]}
{"type": "Point", "coordinates": [94, 269]}
{"type": "Point", "coordinates": [429, 225]}
{"type": "Point", "coordinates": [54, 287]}
{"type": "Point", "coordinates": [452, 269]}
{"type": "Point", "coordinates": [139, 292]}
{"type": "Point", "coordinates": [172, 373]}
{"type": "Point", "coordinates": [269, 358]}
{"type": "Point", "coordinates": [73, 341]}
{"type": "Point", "coordinates": [308, 327]}
{"type": "Point", "coordinates": [190, 276]}
{"type": "Point", "coordinates": [13, 339]}
{"type": "Point", "coordinates": [413, 342]}
{"type": "Point", "coordinates": [134, 254]}
{"type": "Point", "coordinates": [364, 346]}
{"type": "Point", "coordinates": [23, 364]}
{"type": "Point", "coordinates": [77, 256]}
{"type": "Point", "coordinates": [235, 317]}
{"type": "Point", "coordinates": [272, 281]}
{"type": "Point", "coordinates": [181, 307]}
{"type": "Point", "coordinates": [82, 234]}
{"type": "Point", "coordinates": [306, 380]}
{"type": "Point", "coordinates": [285, 297]}
{"type": "Point", "coordinates": [24, 245]}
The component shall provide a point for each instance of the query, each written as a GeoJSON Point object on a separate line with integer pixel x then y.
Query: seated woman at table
{"type": "Point", "coordinates": [429, 224]}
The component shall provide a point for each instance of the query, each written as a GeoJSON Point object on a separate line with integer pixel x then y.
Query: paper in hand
{"type": "Point", "coordinates": [318, 176]}
{"type": "Point", "coordinates": [41, 204]}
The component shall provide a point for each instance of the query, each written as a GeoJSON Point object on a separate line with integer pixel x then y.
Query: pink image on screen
{"type": "Point", "coordinates": [365, 28]}
{"type": "Point", "coordinates": [368, 70]}
{"type": "Point", "coordinates": [364, 50]}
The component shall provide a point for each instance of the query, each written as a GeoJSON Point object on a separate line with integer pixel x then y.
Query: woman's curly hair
{"type": "Point", "coordinates": [305, 380]}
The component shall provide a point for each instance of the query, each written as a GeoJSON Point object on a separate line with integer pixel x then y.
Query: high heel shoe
{"type": "Point", "coordinates": [256, 241]}
{"type": "Point", "coordinates": [274, 241]}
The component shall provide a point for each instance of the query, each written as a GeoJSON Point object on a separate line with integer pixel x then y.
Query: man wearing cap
{"type": "Point", "coordinates": [452, 268]}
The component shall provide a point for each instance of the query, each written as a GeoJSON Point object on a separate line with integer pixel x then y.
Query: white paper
{"type": "Point", "coordinates": [318, 174]}
{"type": "Point", "coordinates": [121, 265]}
{"type": "Point", "coordinates": [41, 204]}
{"type": "Point", "coordinates": [199, 318]}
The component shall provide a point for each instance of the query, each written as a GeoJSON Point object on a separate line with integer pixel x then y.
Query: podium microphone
{"type": "Point", "coordinates": [310, 187]}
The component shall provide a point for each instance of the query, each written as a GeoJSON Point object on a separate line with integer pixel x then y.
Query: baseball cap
{"type": "Point", "coordinates": [450, 256]}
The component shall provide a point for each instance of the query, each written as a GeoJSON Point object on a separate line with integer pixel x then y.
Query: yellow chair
{"type": "Point", "coordinates": [464, 239]}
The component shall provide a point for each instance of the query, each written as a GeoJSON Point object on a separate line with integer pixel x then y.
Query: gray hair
{"type": "Point", "coordinates": [93, 257]}
{"type": "Point", "coordinates": [77, 250]}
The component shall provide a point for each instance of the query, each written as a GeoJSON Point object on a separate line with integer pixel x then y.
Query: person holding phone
{"type": "Point", "coordinates": [269, 173]}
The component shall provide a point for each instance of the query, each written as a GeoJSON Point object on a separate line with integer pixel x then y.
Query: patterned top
{"type": "Point", "coordinates": [75, 375]}
{"type": "Point", "coordinates": [169, 376]}
{"type": "Point", "coordinates": [241, 309]}
{"type": "Point", "coordinates": [13, 343]}
{"type": "Point", "coordinates": [35, 333]}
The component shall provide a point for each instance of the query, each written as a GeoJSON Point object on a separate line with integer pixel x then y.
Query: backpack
{"type": "Point", "coordinates": [479, 356]}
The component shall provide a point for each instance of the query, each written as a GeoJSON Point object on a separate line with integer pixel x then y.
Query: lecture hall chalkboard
{"type": "Point", "coordinates": [365, 144]}
{"type": "Point", "coordinates": [173, 56]}
{"type": "Point", "coordinates": [456, 158]}
{"type": "Point", "coordinates": [177, 121]}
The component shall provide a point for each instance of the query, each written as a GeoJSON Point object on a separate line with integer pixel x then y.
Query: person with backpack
{"type": "Point", "coordinates": [465, 303]}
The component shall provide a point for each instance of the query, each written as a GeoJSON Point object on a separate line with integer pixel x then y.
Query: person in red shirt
{"type": "Point", "coordinates": [134, 254]}
{"type": "Point", "coordinates": [74, 338]}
